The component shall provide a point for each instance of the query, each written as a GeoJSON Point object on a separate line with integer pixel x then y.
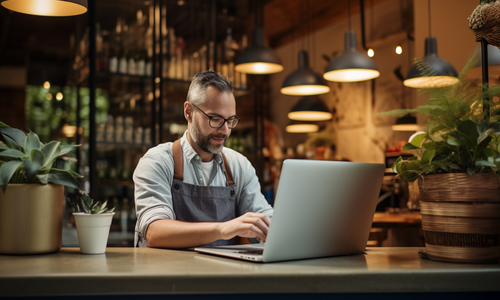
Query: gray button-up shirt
{"type": "Point", "coordinates": [154, 174]}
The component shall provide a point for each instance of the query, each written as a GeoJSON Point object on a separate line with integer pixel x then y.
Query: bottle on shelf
{"type": "Point", "coordinates": [110, 129]}
{"type": "Point", "coordinates": [119, 132]}
{"type": "Point", "coordinates": [124, 215]}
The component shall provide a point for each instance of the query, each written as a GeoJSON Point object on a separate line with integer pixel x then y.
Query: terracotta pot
{"type": "Point", "coordinates": [461, 217]}
{"type": "Point", "coordinates": [31, 218]}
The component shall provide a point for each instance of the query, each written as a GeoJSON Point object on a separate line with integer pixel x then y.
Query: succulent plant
{"type": "Point", "coordinates": [24, 159]}
{"type": "Point", "coordinates": [85, 204]}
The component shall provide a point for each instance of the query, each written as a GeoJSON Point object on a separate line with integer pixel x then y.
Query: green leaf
{"type": "Point", "coordinates": [33, 163]}
{"type": "Point", "coordinates": [51, 151]}
{"type": "Point", "coordinates": [3, 146]}
{"type": "Point", "coordinates": [484, 163]}
{"type": "Point", "coordinates": [484, 135]}
{"type": "Point", "coordinates": [3, 125]}
{"type": "Point", "coordinates": [18, 136]}
{"type": "Point", "coordinates": [67, 148]}
{"type": "Point", "coordinates": [436, 129]}
{"type": "Point", "coordinates": [428, 155]}
{"type": "Point", "coordinates": [13, 153]}
{"type": "Point", "coordinates": [409, 147]}
{"type": "Point", "coordinates": [473, 170]}
{"type": "Point", "coordinates": [469, 129]}
{"type": "Point", "coordinates": [32, 142]}
{"type": "Point", "coordinates": [396, 166]}
{"type": "Point", "coordinates": [12, 144]}
{"type": "Point", "coordinates": [418, 139]}
{"type": "Point", "coordinates": [454, 141]}
{"type": "Point", "coordinates": [6, 171]}
{"type": "Point", "coordinates": [64, 177]}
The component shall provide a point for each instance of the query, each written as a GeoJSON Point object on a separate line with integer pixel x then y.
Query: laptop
{"type": "Point", "coordinates": [322, 208]}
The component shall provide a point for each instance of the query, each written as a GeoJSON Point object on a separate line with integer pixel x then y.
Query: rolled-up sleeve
{"type": "Point", "coordinates": [251, 198]}
{"type": "Point", "coordinates": [153, 197]}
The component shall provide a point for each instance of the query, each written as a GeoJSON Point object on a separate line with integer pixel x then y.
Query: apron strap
{"type": "Point", "coordinates": [178, 161]}
{"type": "Point", "coordinates": [229, 175]}
{"type": "Point", "coordinates": [178, 164]}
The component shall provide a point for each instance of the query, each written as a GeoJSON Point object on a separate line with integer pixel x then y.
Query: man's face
{"type": "Point", "coordinates": [219, 104]}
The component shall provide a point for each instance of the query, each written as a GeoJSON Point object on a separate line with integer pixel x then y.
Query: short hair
{"type": "Point", "coordinates": [197, 93]}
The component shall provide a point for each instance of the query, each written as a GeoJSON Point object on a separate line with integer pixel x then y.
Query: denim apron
{"type": "Point", "coordinates": [194, 203]}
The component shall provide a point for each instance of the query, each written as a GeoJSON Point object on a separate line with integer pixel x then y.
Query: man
{"type": "Point", "coordinates": [185, 192]}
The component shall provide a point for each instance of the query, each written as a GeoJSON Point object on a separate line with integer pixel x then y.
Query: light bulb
{"type": "Point", "coordinates": [46, 85]}
{"type": "Point", "coordinates": [59, 96]}
{"type": "Point", "coordinates": [399, 50]}
{"type": "Point", "coordinates": [370, 52]}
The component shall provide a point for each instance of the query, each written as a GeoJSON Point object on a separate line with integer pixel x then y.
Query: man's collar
{"type": "Point", "coordinates": [191, 154]}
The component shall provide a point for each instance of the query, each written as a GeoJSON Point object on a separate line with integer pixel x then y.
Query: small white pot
{"type": "Point", "coordinates": [93, 232]}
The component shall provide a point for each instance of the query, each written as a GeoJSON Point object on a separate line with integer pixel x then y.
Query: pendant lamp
{"type": "Point", "coordinates": [493, 65]}
{"type": "Point", "coordinates": [258, 59]}
{"type": "Point", "coordinates": [405, 123]}
{"type": "Point", "coordinates": [304, 81]}
{"type": "Point", "coordinates": [301, 128]}
{"type": "Point", "coordinates": [444, 73]}
{"type": "Point", "coordinates": [352, 65]}
{"type": "Point", "coordinates": [55, 8]}
{"type": "Point", "coordinates": [310, 108]}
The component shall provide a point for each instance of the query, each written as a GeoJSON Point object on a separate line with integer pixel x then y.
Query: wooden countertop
{"type": "Point", "coordinates": [143, 271]}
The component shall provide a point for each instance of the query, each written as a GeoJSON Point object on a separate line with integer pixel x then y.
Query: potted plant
{"type": "Point", "coordinates": [321, 142]}
{"type": "Point", "coordinates": [457, 165]}
{"type": "Point", "coordinates": [93, 221]}
{"type": "Point", "coordinates": [32, 180]}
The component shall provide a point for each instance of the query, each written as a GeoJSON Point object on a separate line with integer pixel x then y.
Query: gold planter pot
{"type": "Point", "coordinates": [461, 217]}
{"type": "Point", "coordinates": [31, 218]}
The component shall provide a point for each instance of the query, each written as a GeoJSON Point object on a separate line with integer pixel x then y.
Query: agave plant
{"type": "Point", "coordinates": [24, 159]}
{"type": "Point", "coordinates": [85, 204]}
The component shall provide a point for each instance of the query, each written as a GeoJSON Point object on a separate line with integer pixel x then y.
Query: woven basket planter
{"type": "Point", "coordinates": [461, 217]}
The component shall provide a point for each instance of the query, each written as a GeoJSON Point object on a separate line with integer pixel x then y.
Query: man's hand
{"type": "Point", "coordinates": [249, 225]}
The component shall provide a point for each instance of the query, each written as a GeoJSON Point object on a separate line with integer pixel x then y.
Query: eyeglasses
{"type": "Point", "coordinates": [218, 122]}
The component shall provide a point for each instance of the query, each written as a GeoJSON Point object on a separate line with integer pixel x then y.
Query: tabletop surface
{"type": "Point", "coordinates": [161, 271]}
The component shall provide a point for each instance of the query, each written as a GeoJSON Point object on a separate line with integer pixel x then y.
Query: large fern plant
{"type": "Point", "coordinates": [460, 136]}
{"type": "Point", "coordinates": [24, 159]}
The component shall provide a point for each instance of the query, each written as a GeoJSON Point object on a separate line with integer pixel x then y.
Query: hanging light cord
{"type": "Point", "coordinates": [429, 8]}
{"type": "Point", "coordinates": [349, 14]}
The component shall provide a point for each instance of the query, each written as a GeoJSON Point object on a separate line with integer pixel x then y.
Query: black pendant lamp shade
{"type": "Point", "coordinates": [304, 81]}
{"type": "Point", "coordinates": [493, 65]}
{"type": "Point", "coordinates": [351, 65]}
{"type": "Point", "coordinates": [310, 108]}
{"type": "Point", "coordinates": [55, 8]}
{"type": "Point", "coordinates": [444, 73]}
{"type": "Point", "coordinates": [405, 123]}
{"type": "Point", "coordinates": [258, 59]}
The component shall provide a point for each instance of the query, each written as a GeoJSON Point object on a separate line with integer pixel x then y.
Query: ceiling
{"type": "Point", "coordinates": [46, 44]}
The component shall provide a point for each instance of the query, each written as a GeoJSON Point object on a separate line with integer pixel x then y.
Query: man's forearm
{"type": "Point", "coordinates": [178, 234]}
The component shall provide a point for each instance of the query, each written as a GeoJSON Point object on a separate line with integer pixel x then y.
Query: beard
{"type": "Point", "coordinates": [204, 141]}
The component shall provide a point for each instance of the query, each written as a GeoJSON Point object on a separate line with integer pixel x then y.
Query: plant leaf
{"type": "Point", "coordinates": [3, 125]}
{"type": "Point", "coordinates": [410, 147]}
{"type": "Point", "coordinates": [418, 139]}
{"type": "Point", "coordinates": [469, 129]}
{"type": "Point", "coordinates": [18, 136]}
{"type": "Point", "coordinates": [67, 148]}
{"type": "Point", "coordinates": [3, 146]}
{"type": "Point", "coordinates": [428, 155]}
{"type": "Point", "coordinates": [484, 163]}
{"type": "Point", "coordinates": [32, 142]}
{"type": "Point", "coordinates": [6, 171]}
{"type": "Point", "coordinates": [12, 144]}
{"type": "Point", "coordinates": [64, 177]}
{"type": "Point", "coordinates": [13, 153]}
{"type": "Point", "coordinates": [33, 163]}
{"type": "Point", "coordinates": [51, 151]}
